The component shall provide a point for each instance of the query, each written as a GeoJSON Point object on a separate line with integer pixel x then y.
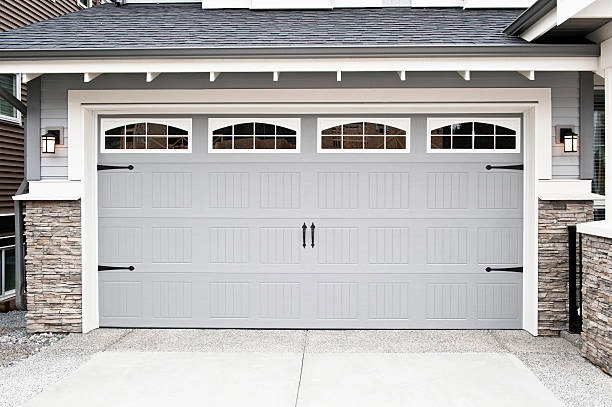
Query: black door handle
{"type": "Point", "coordinates": [509, 269]}
{"type": "Point", "coordinates": [114, 167]}
{"type": "Point", "coordinates": [312, 229]}
{"type": "Point", "coordinates": [304, 227]}
{"type": "Point", "coordinates": [519, 167]}
{"type": "Point", "coordinates": [109, 268]}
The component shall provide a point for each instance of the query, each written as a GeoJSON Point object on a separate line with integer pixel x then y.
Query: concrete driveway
{"type": "Point", "coordinates": [306, 369]}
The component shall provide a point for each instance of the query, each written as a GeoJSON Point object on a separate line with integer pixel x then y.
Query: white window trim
{"type": "Point", "coordinates": [220, 122]}
{"type": "Point", "coordinates": [17, 119]}
{"type": "Point", "coordinates": [402, 123]}
{"type": "Point", "coordinates": [111, 123]}
{"type": "Point", "coordinates": [437, 122]}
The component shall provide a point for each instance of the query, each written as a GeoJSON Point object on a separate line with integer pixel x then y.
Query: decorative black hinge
{"type": "Point", "coordinates": [509, 269]}
{"type": "Point", "coordinates": [519, 167]}
{"type": "Point", "coordinates": [114, 167]}
{"type": "Point", "coordinates": [110, 268]}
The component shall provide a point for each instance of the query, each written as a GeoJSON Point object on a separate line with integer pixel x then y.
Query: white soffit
{"type": "Point", "coordinates": [583, 9]}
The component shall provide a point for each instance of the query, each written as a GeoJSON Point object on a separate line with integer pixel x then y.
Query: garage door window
{"type": "Point", "coordinates": [364, 135]}
{"type": "Point", "coordinates": [254, 135]}
{"type": "Point", "coordinates": [473, 135]}
{"type": "Point", "coordinates": [146, 135]}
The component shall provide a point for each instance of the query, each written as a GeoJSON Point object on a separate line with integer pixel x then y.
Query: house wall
{"type": "Point", "coordinates": [565, 98]}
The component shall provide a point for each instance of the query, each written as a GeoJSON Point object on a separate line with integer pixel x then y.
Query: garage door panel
{"type": "Point", "coordinates": [311, 300]}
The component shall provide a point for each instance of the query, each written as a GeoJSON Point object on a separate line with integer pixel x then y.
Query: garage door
{"type": "Point", "coordinates": [310, 222]}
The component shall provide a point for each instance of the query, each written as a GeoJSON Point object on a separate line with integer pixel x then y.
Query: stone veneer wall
{"type": "Point", "coordinates": [597, 301]}
{"type": "Point", "coordinates": [53, 266]}
{"type": "Point", "coordinates": [553, 249]}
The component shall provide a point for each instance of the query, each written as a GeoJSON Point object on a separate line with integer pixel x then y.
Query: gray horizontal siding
{"type": "Point", "coordinates": [564, 85]}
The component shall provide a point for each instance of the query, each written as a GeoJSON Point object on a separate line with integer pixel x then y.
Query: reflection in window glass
{"type": "Point", "coordinates": [363, 136]}
{"type": "Point", "coordinates": [243, 143]}
{"type": "Point", "coordinates": [265, 143]}
{"type": "Point", "coordinates": [483, 129]}
{"type": "Point", "coordinates": [396, 142]}
{"type": "Point", "coordinates": [157, 143]}
{"type": "Point", "coordinates": [440, 142]}
{"type": "Point", "coordinates": [114, 143]}
{"type": "Point", "coordinates": [352, 129]}
{"type": "Point", "coordinates": [222, 142]}
{"type": "Point", "coordinates": [505, 143]}
{"type": "Point", "coordinates": [462, 142]}
{"type": "Point", "coordinates": [135, 143]}
{"type": "Point", "coordinates": [263, 136]}
{"type": "Point", "coordinates": [353, 142]}
{"type": "Point", "coordinates": [244, 129]}
{"type": "Point", "coordinates": [484, 143]}
{"type": "Point", "coordinates": [374, 143]}
{"type": "Point", "coordinates": [155, 129]}
{"type": "Point", "coordinates": [286, 143]}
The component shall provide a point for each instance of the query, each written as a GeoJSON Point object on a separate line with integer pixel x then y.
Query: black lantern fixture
{"type": "Point", "coordinates": [48, 143]}
{"type": "Point", "coordinates": [570, 143]}
{"type": "Point", "coordinates": [569, 139]}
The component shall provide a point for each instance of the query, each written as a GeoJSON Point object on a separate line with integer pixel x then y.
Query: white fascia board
{"type": "Point", "coordinates": [51, 190]}
{"type": "Point", "coordinates": [495, 64]}
{"type": "Point", "coordinates": [567, 190]}
{"type": "Point", "coordinates": [599, 9]}
{"type": "Point", "coordinates": [567, 9]}
{"type": "Point", "coordinates": [606, 56]}
{"type": "Point", "coordinates": [602, 228]}
{"type": "Point", "coordinates": [545, 24]}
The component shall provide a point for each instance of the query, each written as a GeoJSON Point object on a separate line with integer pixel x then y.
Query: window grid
{"type": "Point", "coordinates": [253, 136]}
{"type": "Point", "coordinates": [476, 135]}
{"type": "Point", "coordinates": [146, 136]}
{"type": "Point", "coordinates": [363, 136]}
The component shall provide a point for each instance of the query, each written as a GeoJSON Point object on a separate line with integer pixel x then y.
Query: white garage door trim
{"type": "Point", "coordinates": [85, 106]}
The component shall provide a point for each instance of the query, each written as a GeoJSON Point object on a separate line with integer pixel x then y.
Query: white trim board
{"type": "Point", "coordinates": [534, 104]}
{"type": "Point", "coordinates": [365, 64]}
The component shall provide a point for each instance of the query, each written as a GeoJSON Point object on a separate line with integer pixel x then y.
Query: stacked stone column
{"type": "Point", "coordinates": [53, 266]}
{"type": "Point", "coordinates": [553, 261]}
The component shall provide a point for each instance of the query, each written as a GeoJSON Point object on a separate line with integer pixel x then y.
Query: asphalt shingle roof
{"type": "Point", "coordinates": [188, 26]}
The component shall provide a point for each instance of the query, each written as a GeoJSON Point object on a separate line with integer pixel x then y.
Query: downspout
{"type": "Point", "coordinates": [20, 278]}
{"type": "Point", "coordinates": [20, 286]}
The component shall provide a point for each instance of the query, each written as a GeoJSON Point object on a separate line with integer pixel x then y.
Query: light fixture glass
{"type": "Point", "coordinates": [48, 143]}
{"type": "Point", "coordinates": [570, 143]}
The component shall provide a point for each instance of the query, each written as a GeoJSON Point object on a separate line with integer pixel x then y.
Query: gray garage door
{"type": "Point", "coordinates": [310, 239]}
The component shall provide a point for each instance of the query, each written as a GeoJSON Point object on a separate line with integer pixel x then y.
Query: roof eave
{"type": "Point", "coordinates": [547, 50]}
{"type": "Point", "coordinates": [532, 15]}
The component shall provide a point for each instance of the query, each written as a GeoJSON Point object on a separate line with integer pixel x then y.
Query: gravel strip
{"type": "Point", "coordinates": [16, 344]}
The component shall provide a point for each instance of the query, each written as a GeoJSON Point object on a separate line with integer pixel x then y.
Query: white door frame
{"type": "Point", "coordinates": [84, 106]}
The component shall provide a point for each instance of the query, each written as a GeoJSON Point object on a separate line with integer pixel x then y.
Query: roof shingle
{"type": "Point", "coordinates": [188, 26]}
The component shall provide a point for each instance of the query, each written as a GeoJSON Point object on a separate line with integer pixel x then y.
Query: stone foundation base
{"type": "Point", "coordinates": [53, 266]}
{"type": "Point", "coordinates": [597, 301]}
{"type": "Point", "coordinates": [553, 249]}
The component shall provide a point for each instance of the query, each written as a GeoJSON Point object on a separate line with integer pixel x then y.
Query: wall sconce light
{"type": "Point", "coordinates": [570, 143]}
{"type": "Point", "coordinates": [48, 143]}
{"type": "Point", "coordinates": [568, 137]}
